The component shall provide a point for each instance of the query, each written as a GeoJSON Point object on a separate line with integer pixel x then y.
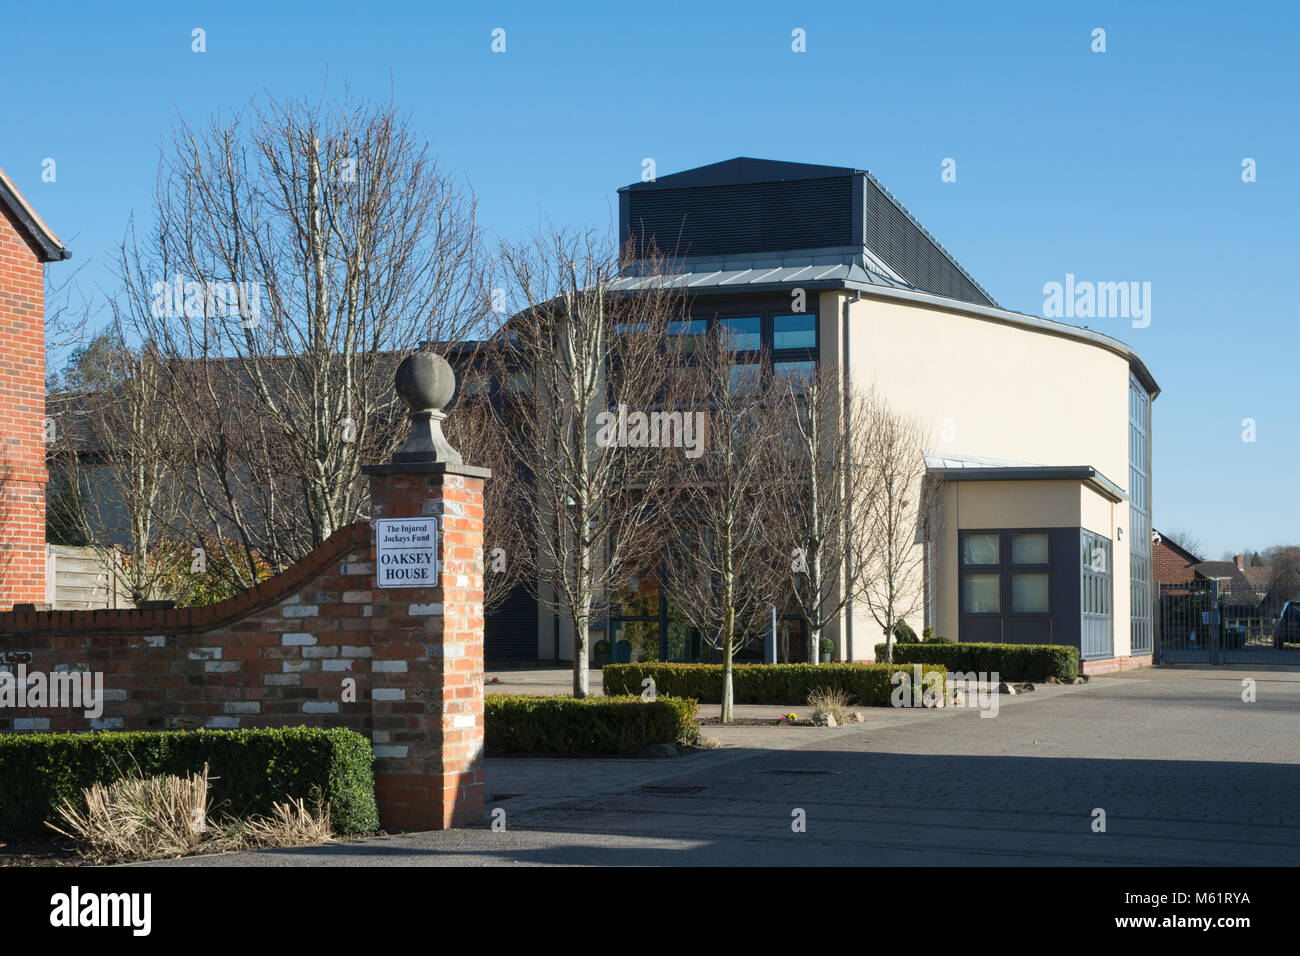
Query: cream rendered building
{"type": "Point", "coordinates": [1040, 430]}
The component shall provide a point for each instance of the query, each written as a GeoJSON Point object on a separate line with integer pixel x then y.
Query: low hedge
{"type": "Point", "coordinates": [522, 723]}
{"type": "Point", "coordinates": [1013, 662]}
{"type": "Point", "coordinates": [249, 770]}
{"type": "Point", "coordinates": [867, 684]}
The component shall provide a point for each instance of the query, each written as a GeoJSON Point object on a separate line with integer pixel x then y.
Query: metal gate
{"type": "Point", "coordinates": [1198, 624]}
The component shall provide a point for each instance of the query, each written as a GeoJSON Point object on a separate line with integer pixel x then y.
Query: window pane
{"type": "Point", "coordinates": [794, 332]}
{"type": "Point", "coordinates": [688, 335]}
{"type": "Point", "coordinates": [979, 549]}
{"type": "Point", "coordinates": [797, 374]}
{"type": "Point", "coordinates": [744, 378]}
{"type": "Point", "coordinates": [474, 385]}
{"type": "Point", "coordinates": [1098, 560]}
{"type": "Point", "coordinates": [1029, 593]}
{"type": "Point", "coordinates": [982, 594]}
{"type": "Point", "coordinates": [1029, 549]}
{"type": "Point", "coordinates": [742, 335]}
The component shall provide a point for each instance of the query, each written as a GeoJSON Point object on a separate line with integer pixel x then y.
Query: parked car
{"type": "Point", "coordinates": [1287, 629]}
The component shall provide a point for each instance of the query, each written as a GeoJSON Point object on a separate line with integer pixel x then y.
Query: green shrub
{"type": "Point", "coordinates": [249, 770]}
{"type": "Point", "coordinates": [903, 633]}
{"type": "Point", "coordinates": [868, 684]}
{"type": "Point", "coordinates": [936, 639]}
{"type": "Point", "coordinates": [520, 723]}
{"type": "Point", "coordinates": [1012, 662]}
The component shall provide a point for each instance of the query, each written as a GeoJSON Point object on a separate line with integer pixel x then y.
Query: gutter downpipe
{"type": "Point", "coordinates": [848, 476]}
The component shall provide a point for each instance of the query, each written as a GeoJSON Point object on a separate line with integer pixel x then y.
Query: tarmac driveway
{"type": "Point", "coordinates": [1185, 771]}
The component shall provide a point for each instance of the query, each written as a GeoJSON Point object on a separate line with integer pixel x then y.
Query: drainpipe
{"type": "Point", "coordinates": [848, 475]}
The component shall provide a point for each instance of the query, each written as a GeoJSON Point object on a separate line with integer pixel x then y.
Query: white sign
{"type": "Point", "coordinates": [406, 552]}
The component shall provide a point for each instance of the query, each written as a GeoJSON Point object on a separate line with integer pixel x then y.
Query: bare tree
{"type": "Point", "coordinates": [826, 428]}
{"type": "Point", "coordinates": [115, 466]}
{"type": "Point", "coordinates": [1284, 574]}
{"type": "Point", "coordinates": [69, 316]}
{"type": "Point", "coordinates": [1187, 541]}
{"type": "Point", "coordinates": [294, 256]}
{"type": "Point", "coordinates": [722, 562]}
{"type": "Point", "coordinates": [475, 427]}
{"type": "Point", "coordinates": [901, 514]}
{"type": "Point", "coordinates": [576, 349]}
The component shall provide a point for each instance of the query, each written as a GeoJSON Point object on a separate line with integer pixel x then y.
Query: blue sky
{"type": "Point", "coordinates": [1115, 166]}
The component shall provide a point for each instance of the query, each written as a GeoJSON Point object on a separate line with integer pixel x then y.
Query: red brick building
{"type": "Point", "coordinates": [1171, 564]}
{"type": "Point", "coordinates": [26, 244]}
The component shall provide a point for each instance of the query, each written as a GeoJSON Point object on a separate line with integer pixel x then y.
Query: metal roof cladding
{"type": "Point", "coordinates": [744, 206]}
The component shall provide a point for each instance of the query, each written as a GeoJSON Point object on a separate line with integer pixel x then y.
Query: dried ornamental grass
{"type": "Point", "coordinates": [140, 817]}
{"type": "Point", "coordinates": [144, 818]}
{"type": "Point", "coordinates": [831, 702]}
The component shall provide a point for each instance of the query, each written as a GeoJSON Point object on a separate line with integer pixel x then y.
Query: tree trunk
{"type": "Point", "coordinates": [581, 676]}
{"type": "Point", "coordinates": [815, 644]}
{"type": "Point", "coordinates": [727, 647]}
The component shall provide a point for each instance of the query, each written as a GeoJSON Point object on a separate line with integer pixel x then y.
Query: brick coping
{"type": "Point", "coordinates": [189, 619]}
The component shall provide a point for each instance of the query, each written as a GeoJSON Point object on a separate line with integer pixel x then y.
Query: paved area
{"type": "Point", "coordinates": [1185, 771]}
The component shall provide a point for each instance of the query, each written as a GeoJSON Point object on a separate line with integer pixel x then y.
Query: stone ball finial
{"type": "Point", "coordinates": [425, 381]}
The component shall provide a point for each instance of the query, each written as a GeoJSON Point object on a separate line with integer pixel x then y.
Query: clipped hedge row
{"type": "Point", "coordinates": [868, 684]}
{"type": "Point", "coordinates": [1013, 662]}
{"type": "Point", "coordinates": [249, 771]}
{"type": "Point", "coordinates": [520, 723]}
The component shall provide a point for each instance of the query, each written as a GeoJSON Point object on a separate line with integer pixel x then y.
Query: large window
{"type": "Point", "coordinates": [1139, 505]}
{"type": "Point", "coordinates": [791, 337]}
{"type": "Point", "coordinates": [1006, 584]}
{"type": "Point", "coordinates": [1096, 598]}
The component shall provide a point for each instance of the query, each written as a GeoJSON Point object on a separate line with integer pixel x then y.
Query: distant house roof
{"type": "Point", "coordinates": [1216, 570]}
{"type": "Point", "coordinates": [39, 236]}
{"type": "Point", "coordinates": [1178, 549]}
{"type": "Point", "coordinates": [1258, 577]}
{"type": "Point", "coordinates": [1233, 583]}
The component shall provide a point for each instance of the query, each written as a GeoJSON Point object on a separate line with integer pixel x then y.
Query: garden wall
{"type": "Point", "coordinates": [318, 645]}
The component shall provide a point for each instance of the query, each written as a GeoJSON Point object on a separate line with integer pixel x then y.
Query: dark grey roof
{"type": "Point", "coordinates": [747, 207]}
{"type": "Point", "coordinates": [1221, 570]}
{"type": "Point", "coordinates": [743, 170]}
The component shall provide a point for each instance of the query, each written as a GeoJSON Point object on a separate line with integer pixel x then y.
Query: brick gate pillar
{"type": "Point", "coordinates": [426, 681]}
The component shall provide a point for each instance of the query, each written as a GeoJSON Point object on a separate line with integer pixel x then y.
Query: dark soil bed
{"type": "Point", "coordinates": [56, 852]}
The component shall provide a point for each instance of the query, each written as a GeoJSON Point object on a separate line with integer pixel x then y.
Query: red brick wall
{"type": "Point", "coordinates": [273, 656]}
{"type": "Point", "coordinates": [279, 655]}
{"type": "Point", "coordinates": [22, 419]}
{"type": "Point", "coordinates": [1170, 567]}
